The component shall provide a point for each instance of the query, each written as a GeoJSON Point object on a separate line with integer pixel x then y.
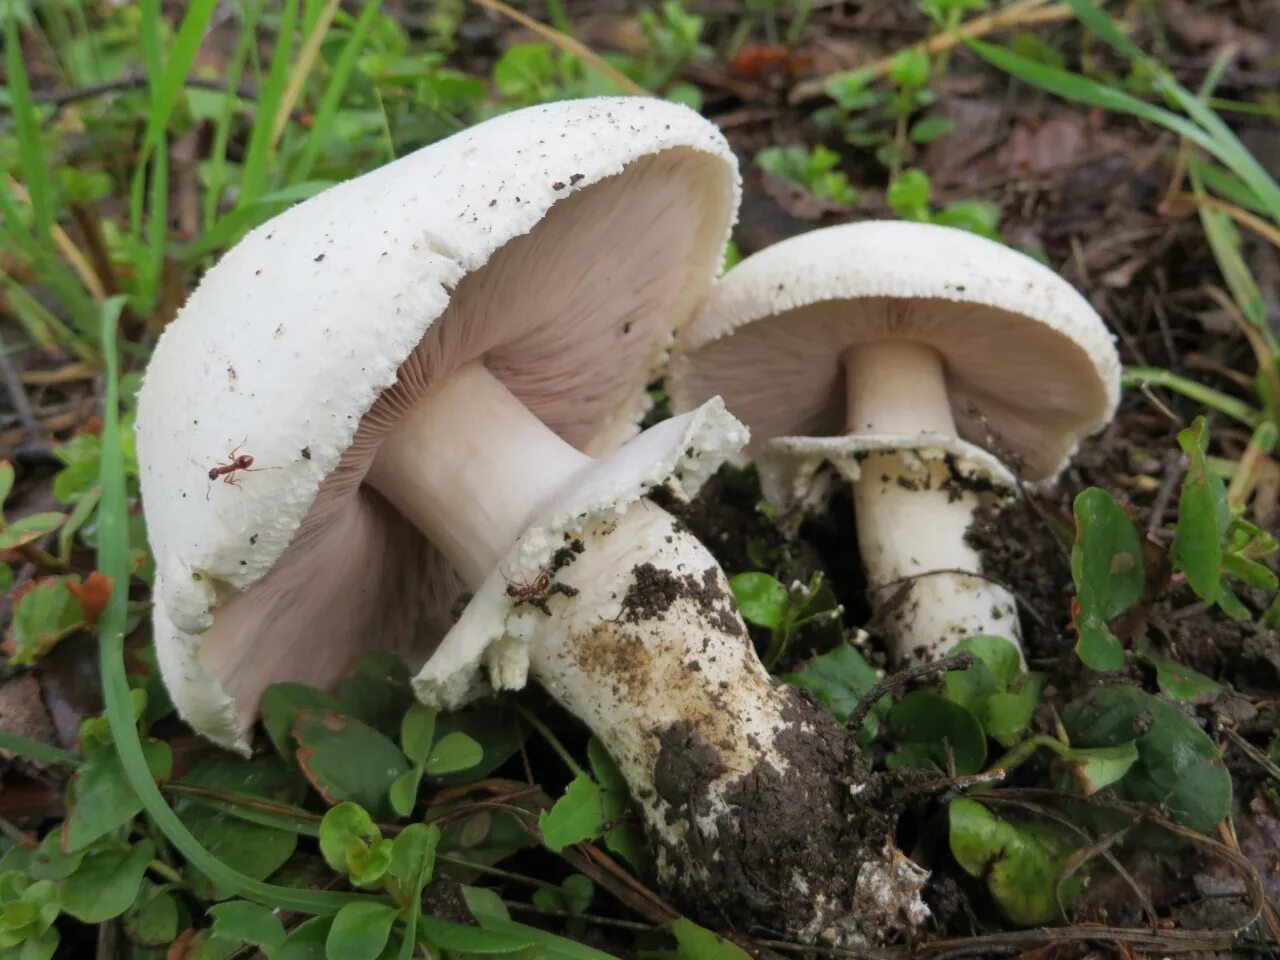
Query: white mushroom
{"type": "Point", "coordinates": [426, 362]}
{"type": "Point", "coordinates": [898, 353]}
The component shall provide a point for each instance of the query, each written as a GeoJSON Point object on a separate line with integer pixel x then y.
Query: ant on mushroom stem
{"type": "Point", "coordinates": [235, 463]}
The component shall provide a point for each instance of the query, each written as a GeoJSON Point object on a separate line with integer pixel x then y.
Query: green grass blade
{"type": "Point", "coordinates": [1228, 147]}
{"type": "Point", "coordinates": [27, 128]}
{"type": "Point", "coordinates": [261, 150]}
{"type": "Point", "coordinates": [327, 112]}
{"type": "Point", "coordinates": [113, 561]}
{"type": "Point", "coordinates": [222, 133]}
{"type": "Point", "coordinates": [41, 325]}
{"type": "Point", "coordinates": [1073, 86]}
{"type": "Point", "coordinates": [157, 220]}
{"type": "Point", "coordinates": [37, 750]}
{"type": "Point", "coordinates": [149, 37]}
{"type": "Point", "coordinates": [1226, 185]}
{"type": "Point", "coordinates": [1224, 241]}
{"type": "Point", "coordinates": [49, 268]}
{"type": "Point", "coordinates": [1192, 390]}
{"type": "Point", "coordinates": [170, 86]}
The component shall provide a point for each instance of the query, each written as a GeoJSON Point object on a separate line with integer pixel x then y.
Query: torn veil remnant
{"type": "Point", "coordinates": [899, 353]}
{"type": "Point", "coordinates": [444, 361]}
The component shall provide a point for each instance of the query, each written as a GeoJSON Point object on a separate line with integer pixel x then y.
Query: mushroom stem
{"type": "Point", "coordinates": [912, 512]}
{"type": "Point", "coordinates": [467, 463]}
{"type": "Point", "coordinates": [744, 783]}
{"type": "Point", "coordinates": [896, 386]}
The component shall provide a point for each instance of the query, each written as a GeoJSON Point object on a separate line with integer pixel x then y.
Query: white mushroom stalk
{"type": "Point", "coordinates": [627, 620]}
{"type": "Point", "coordinates": [889, 351]}
{"type": "Point", "coordinates": [914, 510]}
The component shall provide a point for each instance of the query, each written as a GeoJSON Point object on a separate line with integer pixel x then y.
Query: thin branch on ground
{"type": "Point", "coordinates": [957, 661]}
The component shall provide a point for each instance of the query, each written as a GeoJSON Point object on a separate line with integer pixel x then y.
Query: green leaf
{"type": "Point", "coordinates": [417, 730]}
{"type": "Point", "coordinates": [106, 883]}
{"type": "Point", "coordinates": [341, 823]}
{"type": "Point", "coordinates": [1019, 860]}
{"type": "Point", "coordinates": [935, 733]}
{"type": "Point", "coordinates": [998, 654]}
{"type": "Point", "coordinates": [280, 705]}
{"type": "Point", "coordinates": [500, 935]}
{"type": "Point", "coordinates": [1099, 767]}
{"type": "Point", "coordinates": [574, 895]}
{"type": "Point", "coordinates": [404, 792]}
{"type": "Point", "coordinates": [246, 922]}
{"type": "Point", "coordinates": [839, 679]}
{"type": "Point", "coordinates": [484, 904]}
{"type": "Point", "coordinates": [453, 752]}
{"type": "Point", "coordinates": [909, 67]}
{"type": "Point", "coordinates": [42, 948]}
{"type": "Point", "coordinates": [976, 216]}
{"type": "Point", "coordinates": [42, 617]}
{"type": "Point", "coordinates": [30, 529]}
{"type": "Point", "coordinates": [694, 942]}
{"type": "Point", "coordinates": [103, 799]}
{"type": "Point", "coordinates": [367, 863]}
{"type": "Point", "coordinates": [153, 918]}
{"type": "Point", "coordinates": [761, 599]}
{"type": "Point", "coordinates": [377, 693]}
{"type": "Point", "coordinates": [930, 128]}
{"type": "Point", "coordinates": [1203, 516]}
{"type": "Point", "coordinates": [306, 941]}
{"type": "Point", "coordinates": [1109, 574]}
{"type": "Point", "coordinates": [254, 850]}
{"type": "Point", "coordinates": [360, 931]}
{"type": "Point", "coordinates": [1178, 767]}
{"type": "Point", "coordinates": [413, 857]}
{"type": "Point", "coordinates": [1006, 716]}
{"type": "Point", "coordinates": [622, 838]}
{"type": "Point", "coordinates": [577, 816]}
{"type": "Point", "coordinates": [495, 728]}
{"type": "Point", "coordinates": [909, 194]}
{"type": "Point", "coordinates": [346, 760]}
{"type": "Point", "coordinates": [6, 481]}
{"type": "Point", "coordinates": [1176, 680]}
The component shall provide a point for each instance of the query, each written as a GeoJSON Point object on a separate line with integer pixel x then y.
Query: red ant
{"type": "Point", "coordinates": [227, 471]}
{"type": "Point", "coordinates": [537, 593]}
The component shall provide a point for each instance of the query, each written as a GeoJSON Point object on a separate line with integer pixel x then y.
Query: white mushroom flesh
{"type": "Point", "coordinates": [912, 514]}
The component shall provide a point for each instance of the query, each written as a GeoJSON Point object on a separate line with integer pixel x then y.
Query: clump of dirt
{"type": "Point", "coordinates": [686, 767]}
{"type": "Point", "coordinates": [654, 590]}
{"type": "Point", "coordinates": [786, 844]}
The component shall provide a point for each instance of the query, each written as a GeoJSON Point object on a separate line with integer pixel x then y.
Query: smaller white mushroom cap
{"type": "Point", "coordinates": [1030, 367]}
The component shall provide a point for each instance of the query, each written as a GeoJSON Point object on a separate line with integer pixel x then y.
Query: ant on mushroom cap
{"type": "Point", "coordinates": [235, 462]}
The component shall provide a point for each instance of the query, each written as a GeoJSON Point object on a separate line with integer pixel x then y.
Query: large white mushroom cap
{"type": "Point", "coordinates": [1030, 367]}
{"type": "Point", "coordinates": [559, 244]}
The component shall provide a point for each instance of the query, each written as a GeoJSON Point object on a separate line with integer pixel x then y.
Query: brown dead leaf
{"type": "Point", "coordinates": [22, 712]}
{"type": "Point", "coordinates": [1038, 147]}
{"type": "Point", "coordinates": [93, 594]}
{"type": "Point", "coordinates": [181, 947]}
